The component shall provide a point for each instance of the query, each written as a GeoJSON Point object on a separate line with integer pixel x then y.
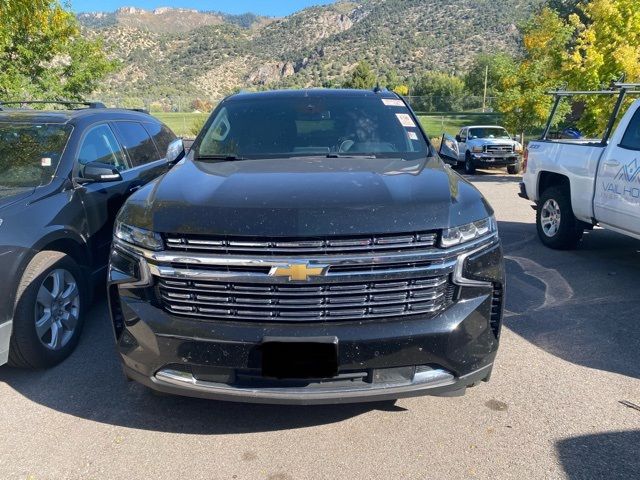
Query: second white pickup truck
{"type": "Point", "coordinates": [577, 184]}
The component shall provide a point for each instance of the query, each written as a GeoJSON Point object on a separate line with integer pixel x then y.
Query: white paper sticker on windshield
{"type": "Point", "coordinates": [406, 120]}
{"type": "Point", "coordinates": [390, 102]}
{"type": "Point", "coordinates": [45, 162]}
{"type": "Point", "coordinates": [413, 135]}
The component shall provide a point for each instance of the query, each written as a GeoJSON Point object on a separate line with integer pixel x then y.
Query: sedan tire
{"type": "Point", "coordinates": [49, 311]}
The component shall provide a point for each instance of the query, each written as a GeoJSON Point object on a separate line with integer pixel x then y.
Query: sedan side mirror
{"type": "Point", "coordinates": [100, 172]}
{"type": "Point", "coordinates": [175, 151]}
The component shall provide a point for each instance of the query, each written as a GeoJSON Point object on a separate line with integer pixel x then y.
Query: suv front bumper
{"type": "Point", "coordinates": [378, 360]}
{"type": "Point", "coordinates": [381, 358]}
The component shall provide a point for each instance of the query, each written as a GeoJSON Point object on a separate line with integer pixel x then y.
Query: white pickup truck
{"type": "Point", "coordinates": [577, 184]}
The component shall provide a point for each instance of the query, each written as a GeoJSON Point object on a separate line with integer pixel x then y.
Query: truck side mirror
{"type": "Point", "coordinates": [458, 139]}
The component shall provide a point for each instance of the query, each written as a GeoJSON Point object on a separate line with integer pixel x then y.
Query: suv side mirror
{"type": "Point", "coordinates": [175, 151]}
{"type": "Point", "coordinates": [100, 172]}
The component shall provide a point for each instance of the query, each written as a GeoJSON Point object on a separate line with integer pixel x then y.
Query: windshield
{"type": "Point", "coordinates": [488, 132]}
{"type": "Point", "coordinates": [303, 126]}
{"type": "Point", "coordinates": [30, 153]}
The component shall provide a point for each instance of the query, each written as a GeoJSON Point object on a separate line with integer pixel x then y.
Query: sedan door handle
{"type": "Point", "coordinates": [135, 188]}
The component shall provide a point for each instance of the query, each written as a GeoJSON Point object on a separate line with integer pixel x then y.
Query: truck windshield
{"type": "Point", "coordinates": [30, 153]}
{"type": "Point", "coordinates": [299, 126]}
{"type": "Point", "coordinates": [488, 132]}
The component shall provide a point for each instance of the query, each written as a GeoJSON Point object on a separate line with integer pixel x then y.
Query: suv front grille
{"type": "Point", "coordinates": [345, 245]}
{"type": "Point", "coordinates": [305, 302]}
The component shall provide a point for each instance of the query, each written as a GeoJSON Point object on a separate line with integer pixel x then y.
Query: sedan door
{"type": "Point", "coordinates": [102, 200]}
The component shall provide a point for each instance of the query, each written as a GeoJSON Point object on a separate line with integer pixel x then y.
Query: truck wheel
{"type": "Point", "coordinates": [49, 311]}
{"type": "Point", "coordinates": [514, 169]}
{"type": "Point", "coordinates": [557, 226]}
{"type": "Point", "coordinates": [469, 167]}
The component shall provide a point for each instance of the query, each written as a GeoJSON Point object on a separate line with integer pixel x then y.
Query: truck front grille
{"type": "Point", "coordinates": [273, 247]}
{"type": "Point", "coordinates": [499, 148]}
{"type": "Point", "coordinates": [303, 302]}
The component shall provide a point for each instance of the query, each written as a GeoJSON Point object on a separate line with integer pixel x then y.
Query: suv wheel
{"type": "Point", "coordinates": [48, 315]}
{"type": "Point", "coordinates": [557, 227]}
{"type": "Point", "coordinates": [514, 169]}
{"type": "Point", "coordinates": [469, 167]}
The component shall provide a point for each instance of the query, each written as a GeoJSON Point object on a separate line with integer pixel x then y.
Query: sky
{"type": "Point", "coordinates": [274, 8]}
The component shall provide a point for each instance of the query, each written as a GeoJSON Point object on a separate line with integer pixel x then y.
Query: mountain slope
{"type": "Point", "coordinates": [182, 52]}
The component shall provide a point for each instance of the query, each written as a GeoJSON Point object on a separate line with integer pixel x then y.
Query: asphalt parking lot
{"type": "Point", "coordinates": [570, 354]}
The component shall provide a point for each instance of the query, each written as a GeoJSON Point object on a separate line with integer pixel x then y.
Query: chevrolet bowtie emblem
{"type": "Point", "coordinates": [298, 271]}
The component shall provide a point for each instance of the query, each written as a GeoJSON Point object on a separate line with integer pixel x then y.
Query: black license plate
{"type": "Point", "coordinates": [300, 359]}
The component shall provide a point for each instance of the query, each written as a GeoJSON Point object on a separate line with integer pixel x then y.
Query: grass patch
{"type": "Point", "coordinates": [435, 125]}
{"type": "Point", "coordinates": [181, 122]}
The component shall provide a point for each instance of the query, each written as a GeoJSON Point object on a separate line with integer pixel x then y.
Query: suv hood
{"type": "Point", "coordinates": [12, 195]}
{"type": "Point", "coordinates": [305, 197]}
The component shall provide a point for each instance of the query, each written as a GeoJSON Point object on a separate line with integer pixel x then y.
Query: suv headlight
{"type": "Point", "coordinates": [138, 236]}
{"type": "Point", "coordinates": [466, 233]}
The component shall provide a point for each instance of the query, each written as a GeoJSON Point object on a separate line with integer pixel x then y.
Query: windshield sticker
{"type": "Point", "coordinates": [390, 102]}
{"type": "Point", "coordinates": [406, 120]}
{"type": "Point", "coordinates": [413, 136]}
{"type": "Point", "coordinates": [45, 162]}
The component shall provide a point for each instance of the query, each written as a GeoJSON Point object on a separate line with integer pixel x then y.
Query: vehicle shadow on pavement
{"type": "Point", "coordinates": [90, 385]}
{"type": "Point", "coordinates": [493, 176]}
{"type": "Point", "coordinates": [603, 455]}
{"type": "Point", "coordinates": [582, 305]}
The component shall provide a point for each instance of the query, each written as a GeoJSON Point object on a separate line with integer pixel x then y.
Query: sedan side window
{"type": "Point", "coordinates": [100, 145]}
{"type": "Point", "coordinates": [138, 143]}
{"type": "Point", "coordinates": [161, 135]}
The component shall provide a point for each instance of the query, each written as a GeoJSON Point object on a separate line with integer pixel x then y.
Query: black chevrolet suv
{"type": "Point", "coordinates": [311, 248]}
{"type": "Point", "coordinates": [64, 174]}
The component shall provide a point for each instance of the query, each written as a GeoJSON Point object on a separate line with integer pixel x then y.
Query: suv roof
{"type": "Point", "coordinates": [316, 92]}
{"type": "Point", "coordinates": [67, 116]}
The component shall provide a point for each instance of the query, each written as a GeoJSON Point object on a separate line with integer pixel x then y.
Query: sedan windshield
{"type": "Point", "coordinates": [318, 125]}
{"type": "Point", "coordinates": [30, 153]}
{"type": "Point", "coordinates": [488, 132]}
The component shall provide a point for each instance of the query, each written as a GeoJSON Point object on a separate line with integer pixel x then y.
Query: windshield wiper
{"type": "Point", "coordinates": [340, 155]}
{"type": "Point", "coordinates": [223, 156]}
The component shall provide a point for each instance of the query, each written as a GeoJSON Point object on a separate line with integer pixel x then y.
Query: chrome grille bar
{"type": "Point", "coordinates": [303, 247]}
{"type": "Point", "coordinates": [297, 302]}
{"type": "Point", "coordinates": [499, 148]}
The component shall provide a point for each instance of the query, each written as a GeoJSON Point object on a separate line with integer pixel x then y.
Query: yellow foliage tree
{"type": "Point", "coordinates": [43, 53]}
{"type": "Point", "coordinates": [589, 50]}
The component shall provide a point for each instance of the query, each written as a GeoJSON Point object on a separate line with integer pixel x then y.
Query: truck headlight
{"type": "Point", "coordinates": [518, 148]}
{"type": "Point", "coordinates": [138, 236]}
{"type": "Point", "coordinates": [477, 149]}
{"type": "Point", "coordinates": [466, 233]}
